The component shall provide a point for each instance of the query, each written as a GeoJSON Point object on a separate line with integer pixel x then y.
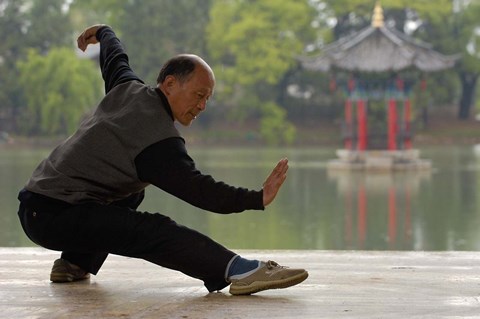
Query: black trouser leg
{"type": "Point", "coordinates": [87, 233]}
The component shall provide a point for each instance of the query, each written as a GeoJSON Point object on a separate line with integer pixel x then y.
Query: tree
{"type": "Point", "coordinates": [465, 32]}
{"type": "Point", "coordinates": [48, 25]}
{"type": "Point", "coordinates": [85, 13]}
{"type": "Point", "coordinates": [356, 14]}
{"type": "Point", "coordinates": [26, 24]}
{"type": "Point", "coordinates": [12, 24]}
{"type": "Point", "coordinates": [153, 31]}
{"type": "Point", "coordinates": [157, 30]}
{"type": "Point", "coordinates": [253, 44]}
{"type": "Point", "coordinates": [273, 126]}
{"type": "Point", "coordinates": [59, 88]}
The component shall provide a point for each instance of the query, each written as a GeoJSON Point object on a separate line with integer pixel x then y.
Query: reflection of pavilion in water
{"type": "Point", "coordinates": [367, 196]}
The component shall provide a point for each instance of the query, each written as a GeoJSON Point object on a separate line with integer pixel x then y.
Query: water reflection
{"type": "Point", "coordinates": [375, 199]}
{"type": "Point", "coordinates": [316, 208]}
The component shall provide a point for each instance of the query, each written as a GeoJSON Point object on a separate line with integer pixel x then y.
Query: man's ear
{"type": "Point", "coordinates": [169, 83]}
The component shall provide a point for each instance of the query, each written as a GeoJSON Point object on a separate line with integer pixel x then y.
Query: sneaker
{"type": "Point", "coordinates": [270, 275]}
{"type": "Point", "coordinates": [63, 271]}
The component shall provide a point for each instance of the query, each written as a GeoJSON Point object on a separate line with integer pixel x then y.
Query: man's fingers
{"type": "Point", "coordinates": [279, 172]}
{"type": "Point", "coordinates": [84, 40]}
{"type": "Point", "coordinates": [81, 44]}
{"type": "Point", "coordinates": [88, 36]}
{"type": "Point", "coordinates": [274, 181]}
{"type": "Point", "coordinates": [281, 167]}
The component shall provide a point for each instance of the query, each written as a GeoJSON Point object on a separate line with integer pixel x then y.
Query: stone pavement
{"type": "Point", "coordinates": [342, 284]}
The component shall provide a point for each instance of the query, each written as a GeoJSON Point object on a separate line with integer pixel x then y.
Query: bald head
{"type": "Point", "coordinates": [182, 66]}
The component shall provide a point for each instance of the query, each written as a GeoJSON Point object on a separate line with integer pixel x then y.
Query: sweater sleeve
{"type": "Point", "coordinates": [113, 60]}
{"type": "Point", "coordinates": [167, 165]}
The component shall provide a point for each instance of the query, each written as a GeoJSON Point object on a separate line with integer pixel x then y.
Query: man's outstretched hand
{"type": "Point", "coordinates": [88, 36]}
{"type": "Point", "coordinates": [274, 181]}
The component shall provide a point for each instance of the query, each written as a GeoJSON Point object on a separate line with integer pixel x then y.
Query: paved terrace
{"type": "Point", "coordinates": [341, 285]}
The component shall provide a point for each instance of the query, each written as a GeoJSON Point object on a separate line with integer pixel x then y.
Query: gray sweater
{"type": "Point", "coordinates": [97, 162]}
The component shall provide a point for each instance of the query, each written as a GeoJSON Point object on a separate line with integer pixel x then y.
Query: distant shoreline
{"type": "Point", "coordinates": [439, 131]}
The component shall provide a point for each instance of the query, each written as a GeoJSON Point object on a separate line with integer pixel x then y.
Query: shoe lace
{"type": "Point", "coordinates": [271, 265]}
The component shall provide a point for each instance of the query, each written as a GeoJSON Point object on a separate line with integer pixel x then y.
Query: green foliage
{"type": "Point", "coordinates": [253, 44]}
{"type": "Point", "coordinates": [274, 128]}
{"type": "Point", "coordinates": [44, 19]}
{"type": "Point", "coordinates": [466, 26]}
{"type": "Point", "coordinates": [26, 24]}
{"type": "Point", "coordinates": [456, 33]}
{"type": "Point", "coordinates": [11, 24]}
{"type": "Point", "coordinates": [59, 89]}
{"type": "Point", "coordinates": [152, 31]}
{"type": "Point", "coordinates": [84, 13]}
{"type": "Point", "coordinates": [363, 9]}
{"type": "Point", "coordinates": [257, 41]}
{"type": "Point", "coordinates": [169, 27]}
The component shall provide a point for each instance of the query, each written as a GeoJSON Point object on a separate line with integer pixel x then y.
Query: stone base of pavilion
{"type": "Point", "coordinates": [379, 160]}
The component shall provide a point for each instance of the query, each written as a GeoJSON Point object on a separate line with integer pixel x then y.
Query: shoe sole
{"type": "Point", "coordinates": [265, 285]}
{"type": "Point", "coordinates": [64, 277]}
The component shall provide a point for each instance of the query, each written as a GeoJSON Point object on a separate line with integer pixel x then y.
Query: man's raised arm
{"type": "Point", "coordinates": [113, 58]}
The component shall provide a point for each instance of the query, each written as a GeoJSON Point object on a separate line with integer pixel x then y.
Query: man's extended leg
{"type": "Point", "coordinates": [87, 229]}
{"type": "Point", "coordinates": [95, 229]}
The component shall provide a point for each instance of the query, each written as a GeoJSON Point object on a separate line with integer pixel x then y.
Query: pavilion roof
{"type": "Point", "coordinates": [378, 48]}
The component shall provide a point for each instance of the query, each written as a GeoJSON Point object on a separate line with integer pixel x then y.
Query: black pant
{"type": "Point", "coordinates": [87, 233]}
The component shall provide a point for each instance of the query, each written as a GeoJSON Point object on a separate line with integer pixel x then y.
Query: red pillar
{"type": "Point", "coordinates": [362, 125]}
{"type": "Point", "coordinates": [392, 217]}
{"type": "Point", "coordinates": [408, 219]}
{"type": "Point", "coordinates": [333, 84]}
{"type": "Point", "coordinates": [392, 125]}
{"type": "Point", "coordinates": [348, 124]}
{"type": "Point", "coordinates": [362, 216]}
{"type": "Point", "coordinates": [423, 84]}
{"type": "Point", "coordinates": [349, 217]}
{"type": "Point", "coordinates": [407, 118]}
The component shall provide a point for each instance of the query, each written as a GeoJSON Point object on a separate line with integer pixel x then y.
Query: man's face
{"type": "Point", "coordinates": [189, 98]}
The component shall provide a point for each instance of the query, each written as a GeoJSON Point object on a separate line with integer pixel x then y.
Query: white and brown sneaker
{"type": "Point", "coordinates": [63, 271]}
{"type": "Point", "coordinates": [269, 275]}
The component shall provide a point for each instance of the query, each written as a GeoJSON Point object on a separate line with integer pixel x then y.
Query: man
{"type": "Point", "coordinates": [82, 199]}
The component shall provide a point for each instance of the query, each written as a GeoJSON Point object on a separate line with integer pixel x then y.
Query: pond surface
{"type": "Point", "coordinates": [316, 208]}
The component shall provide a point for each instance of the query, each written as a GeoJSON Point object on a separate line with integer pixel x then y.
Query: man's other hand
{"type": "Point", "coordinates": [274, 181]}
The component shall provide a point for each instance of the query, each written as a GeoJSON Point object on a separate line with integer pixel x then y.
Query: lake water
{"type": "Point", "coordinates": [315, 209]}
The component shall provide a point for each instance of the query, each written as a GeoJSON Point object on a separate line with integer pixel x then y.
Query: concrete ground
{"type": "Point", "coordinates": [342, 284]}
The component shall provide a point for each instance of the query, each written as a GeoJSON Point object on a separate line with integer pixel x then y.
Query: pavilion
{"type": "Point", "coordinates": [379, 52]}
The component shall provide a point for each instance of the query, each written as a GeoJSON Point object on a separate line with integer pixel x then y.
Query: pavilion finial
{"type": "Point", "coordinates": [377, 19]}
